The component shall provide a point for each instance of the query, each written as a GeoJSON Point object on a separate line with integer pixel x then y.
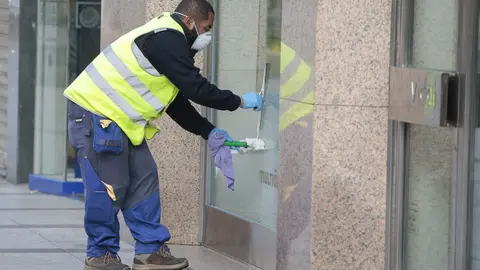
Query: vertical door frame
{"type": "Point", "coordinates": [462, 181]}
{"type": "Point", "coordinates": [400, 55]}
{"type": "Point", "coordinates": [210, 69]}
{"type": "Point", "coordinates": [463, 135]}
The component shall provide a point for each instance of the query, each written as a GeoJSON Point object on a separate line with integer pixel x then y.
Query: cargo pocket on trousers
{"type": "Point", "coordinates": [98, 204]}
{"type": "Point", "coordinates": [107, 136]}
{"type": "Point", "coordinates": [77, 130]}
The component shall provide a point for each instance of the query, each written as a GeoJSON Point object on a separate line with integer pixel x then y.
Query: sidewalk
{"type": "Point", "coordinates": [45, 232]}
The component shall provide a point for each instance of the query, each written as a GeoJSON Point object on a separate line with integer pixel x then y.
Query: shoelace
{"type": "Point", "coordinates": [110, 259]}
{"type": "Point", "coordinates": [164, 251]}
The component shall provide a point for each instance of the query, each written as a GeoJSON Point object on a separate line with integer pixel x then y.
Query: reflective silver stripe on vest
{"type": "Point", "coordinates": [134, 82]}
{"type": "Point", "coordinates": [143, 61]}
{"type": "Point", "coordinates": [158, 30]}
{"type": "Point", "coordinates": [113, 95]}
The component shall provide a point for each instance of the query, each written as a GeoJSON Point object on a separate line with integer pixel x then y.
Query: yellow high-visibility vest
{"type": "Point", "coordinates": [297, 83]}
{"type": "Point", "coordinates": [123, 86]}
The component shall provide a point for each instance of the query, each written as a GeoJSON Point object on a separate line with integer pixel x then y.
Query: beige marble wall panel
{"type": "Point", "coordinates": [353, 46]}
{"type": "Point", "coordinates": [350, 134]}
{"type": "Point", "coordinates": [348, 195]}
{"type": "Point", "coordinates": [119, 18]}
{"type": "Point", "coordinates": [178, 158]}
{"type": "Point", "coordinates": [177, 153]}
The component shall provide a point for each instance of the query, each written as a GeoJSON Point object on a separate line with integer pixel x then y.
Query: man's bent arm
{"type": "Point", "coordinates": [186, 116]}
{"type": "Point", "coordinates": [170, 55]}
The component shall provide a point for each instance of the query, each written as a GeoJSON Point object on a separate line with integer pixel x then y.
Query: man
{"type": "Point", "coordinates": [139, 77]}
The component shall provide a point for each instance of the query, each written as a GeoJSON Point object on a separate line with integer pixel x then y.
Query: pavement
{"type": "Point", "coordinates": [40, 232]}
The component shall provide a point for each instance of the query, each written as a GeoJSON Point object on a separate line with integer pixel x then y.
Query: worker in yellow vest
{"type": "Point", "coordinates": [139, 77]}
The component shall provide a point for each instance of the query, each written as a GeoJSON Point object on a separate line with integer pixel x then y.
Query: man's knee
{"type": "Point", "coordinates": [143, 195]}
{"type": "Point", "coordinates": [103, 192]}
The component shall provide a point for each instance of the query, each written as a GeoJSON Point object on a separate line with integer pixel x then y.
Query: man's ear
{"type": "Point", "coordinates": [189, 22]}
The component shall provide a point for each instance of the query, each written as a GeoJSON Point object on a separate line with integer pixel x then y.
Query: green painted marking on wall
{"type": "Point", "coordinates": [430, 96]}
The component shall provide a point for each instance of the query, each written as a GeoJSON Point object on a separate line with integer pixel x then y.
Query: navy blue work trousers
{"type": "Point", "coordinates": [117, 176]}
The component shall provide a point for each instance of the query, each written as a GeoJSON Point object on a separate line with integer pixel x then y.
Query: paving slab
{"type": "Point", "coordinates": [45, 217]}
{"type": "Point", "coordinates": [45, 232]}
{"type": "Point", "coordinates": [12, 238]}
{"type": "Point", "coordinates": [71, 238]}
{"type": "Point", "coordinates": [39, 261]}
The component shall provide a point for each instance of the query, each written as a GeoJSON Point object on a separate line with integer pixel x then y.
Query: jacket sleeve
{"type": "Point", "coordinates": [186, 116]}
{"type": "Point", "coordinates": [170, 55]}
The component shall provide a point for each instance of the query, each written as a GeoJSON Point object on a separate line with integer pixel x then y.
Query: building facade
{"type": "Point", "coordinates": [371, 120]}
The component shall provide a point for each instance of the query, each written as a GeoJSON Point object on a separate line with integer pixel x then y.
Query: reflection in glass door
{"type": "Point", "coordinates": [244, 42]}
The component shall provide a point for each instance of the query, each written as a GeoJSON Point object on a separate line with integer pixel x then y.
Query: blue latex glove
{"type": "Point", "coordinates": [225, 134]}
{"type": "Point", "coordinates": [252, 100]}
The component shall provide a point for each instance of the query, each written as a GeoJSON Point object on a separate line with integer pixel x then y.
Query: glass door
{"type": "Point", "coordinates": [430, 149]}
{"type": "Point", "coordinates": [52, 77]}
{"type": "Point", "coordinates": [68, 38]}
{"type": "Point", "coordinates": [432, 80]}
{"type": "Point", "coordinates": [244, 42]}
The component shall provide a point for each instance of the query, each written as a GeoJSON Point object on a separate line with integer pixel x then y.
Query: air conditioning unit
{"type": "Point", "coordinates": [88, 15]}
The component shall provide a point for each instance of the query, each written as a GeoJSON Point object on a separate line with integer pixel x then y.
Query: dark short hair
{"type": "Point", "coordinates": [197, 9]}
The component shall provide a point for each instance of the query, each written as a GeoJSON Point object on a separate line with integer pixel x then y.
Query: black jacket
{"type": "Point", "coordinates": [170, 54]}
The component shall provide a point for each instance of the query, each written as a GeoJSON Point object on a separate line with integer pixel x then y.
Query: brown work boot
{"type": "Point", "coordinates": [160, 260]}
{"type": "Point", "coordinates": [107, 262]}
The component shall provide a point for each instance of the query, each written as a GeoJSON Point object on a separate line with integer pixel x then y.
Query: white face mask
{"type": "Point", "coordinates": [202, 41]}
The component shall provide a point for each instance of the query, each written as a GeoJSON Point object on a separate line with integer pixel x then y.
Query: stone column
{"type": "Point", "coordinates": [332, 171]}
{"type": "Point", "coordinates": [350, 145]}
{"type": "Point", "coordinates": [176, 152]}
{"type": "Point", "coordinates": [119, 17]}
